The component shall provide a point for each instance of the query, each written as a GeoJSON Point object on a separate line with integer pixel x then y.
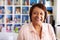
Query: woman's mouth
{"type": "Point", "coordinates": [38, 19]}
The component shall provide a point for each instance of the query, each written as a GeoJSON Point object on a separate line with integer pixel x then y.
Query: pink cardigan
{"type": "Point", "coordinates": [28, 32]}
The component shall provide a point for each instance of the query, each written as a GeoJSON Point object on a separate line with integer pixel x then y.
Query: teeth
{"type": "Point", "coordinates": [40, 18]}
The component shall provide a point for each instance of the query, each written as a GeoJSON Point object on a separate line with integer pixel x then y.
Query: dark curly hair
{"type": "Point", "coordinates": [39, 5]}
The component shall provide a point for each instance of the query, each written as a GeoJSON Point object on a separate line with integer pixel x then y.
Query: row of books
{"type": "Point", "coordinates": [12, 13]}
{"type": "Point", "coordinates": [17, 10]}
{"type": "Point", "coordinates": [15, 19]}
{"type": "Point", "coordinates": [16, 27]}
{"type": "Point", "coordinates": [10, 28]}
{"type": "Point", "coordinates": [24, 2]}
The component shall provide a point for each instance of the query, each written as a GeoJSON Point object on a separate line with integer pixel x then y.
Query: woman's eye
{"type": "Point", "coordinates": [41, 13]}
{"type": "Point", "coordinates": [35, 12]}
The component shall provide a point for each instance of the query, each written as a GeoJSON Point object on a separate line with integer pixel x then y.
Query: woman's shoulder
{"type": "Point", "coordinates": [25, 26]}
{"type": "Point", "coordinates": [47, 25]}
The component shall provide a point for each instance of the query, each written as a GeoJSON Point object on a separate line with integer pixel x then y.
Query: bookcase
{"type": "Point", "coordinates": [14, 13]}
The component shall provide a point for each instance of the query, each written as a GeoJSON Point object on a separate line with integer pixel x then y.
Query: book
{"type": "Point", "coordinates": [9, 19]}
{"type": "Point", "coordinates": [9, 2]}
{"type": "Point", "coordinates": [1, 27]}
{"type": "Point", "coordinates": [17, 2]}
{"type": "Point", "coordinates": [1, 18]}
{"type": "Point", "coordinates": [17, 19]}
{"type": "Point", "coordinates": [25, 2]}
{"type": "Point", "coordinates": [32, 2]}
{"type": "Point", "coordinates": [2, 2]}
{"type": "Point", "coordinates": [41, 1]}
{"type": "Point", "coordinates": [9, 28]}
{"type": "Point", "coordinates": [17, 10]}
{"type": "Point", "coordinates": [25, 18]}
{"type": "Point", "coordinates": [25, 10]}
{"type": "Point", "coordinates": [49, 3]}
{"type": "Point", "coordinates": [17, 28]}
{"type": "Point", "coordinates": [2, 9]}
{"type": "Point", "coordinates": [9, 10]}
{"type": "Point", "coordinates": [49, 19]}
{"type": "Point", "coordinates": [50, 10]}
{"type": "Point", "coordinates": [52, 1]}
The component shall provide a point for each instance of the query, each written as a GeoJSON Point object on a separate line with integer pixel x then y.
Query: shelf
{"type": "Point", "coordinates": [16, 12]}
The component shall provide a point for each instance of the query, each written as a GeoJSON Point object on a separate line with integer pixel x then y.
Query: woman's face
{"type": "Point", "coordinates": [37, 15]}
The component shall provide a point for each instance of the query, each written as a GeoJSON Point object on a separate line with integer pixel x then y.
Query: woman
{"type": "Point", "coordinates": [37, 29]}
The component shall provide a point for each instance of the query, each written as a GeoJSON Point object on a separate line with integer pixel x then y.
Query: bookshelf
{"type": "Point", "coordinates": [14, 13]}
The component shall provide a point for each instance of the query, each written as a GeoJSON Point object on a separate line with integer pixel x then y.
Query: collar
{"type": "Point", "coordinates": [32, 29]}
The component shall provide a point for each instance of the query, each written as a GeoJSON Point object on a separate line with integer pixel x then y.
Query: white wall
{"type": "Point", "coordinates": [57, 17]}
{"type": "Point", "coordinates": [58, 12]}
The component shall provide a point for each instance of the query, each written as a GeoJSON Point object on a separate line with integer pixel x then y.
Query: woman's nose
{"type": "Point", "coordinates": [38, 15]}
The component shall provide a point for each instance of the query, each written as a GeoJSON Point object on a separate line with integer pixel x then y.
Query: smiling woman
{"type": "Point", "coordinates": [37, 29]}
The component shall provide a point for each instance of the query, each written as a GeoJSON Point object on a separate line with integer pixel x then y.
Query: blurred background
{"type": "Point", "coordinates": [14, 13]}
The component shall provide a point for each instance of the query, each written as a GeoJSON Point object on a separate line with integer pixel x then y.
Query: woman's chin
{"type": "Point", "coordinates": [38, 22]}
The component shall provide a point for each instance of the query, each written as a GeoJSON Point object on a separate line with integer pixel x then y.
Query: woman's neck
{"type": "Point", "coordinates": [36, 25]}
{"type": "Point", "coordinates": [38, 28]}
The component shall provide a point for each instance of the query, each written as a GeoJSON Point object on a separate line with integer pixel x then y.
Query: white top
{"type": "Point", "coordinates": [28, 32]}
